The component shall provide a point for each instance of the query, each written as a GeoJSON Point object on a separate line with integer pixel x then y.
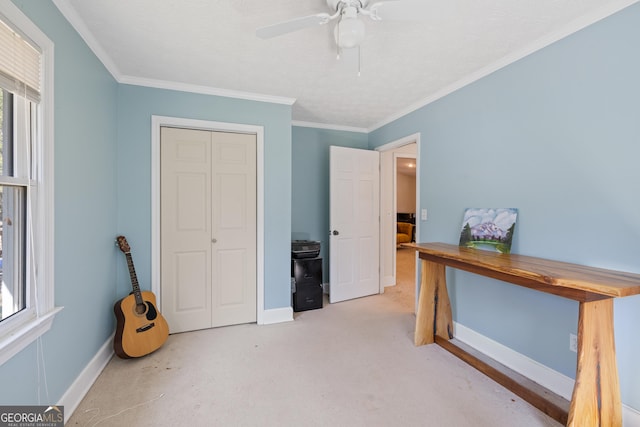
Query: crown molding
{"type": "Point", "coordinates": [69, 12]}
{"type": "Point", "coordinates": [205, 90]}
{"type": "Point", "coordinates": [567, 30]}
{"type": "Point", "coordinates": [328, 126]}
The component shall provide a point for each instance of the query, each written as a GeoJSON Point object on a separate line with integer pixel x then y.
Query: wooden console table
{"type": "Point", "coordinates": [596, 393]}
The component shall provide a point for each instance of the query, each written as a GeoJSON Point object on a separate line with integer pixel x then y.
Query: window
{"type": "Point", "coordinates": [26, 182]}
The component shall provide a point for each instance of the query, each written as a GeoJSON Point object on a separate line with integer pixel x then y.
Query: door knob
{"type": "Point", "coordinates": [214, 240]}
{"type": "Point", "coordinates": [335, 232]}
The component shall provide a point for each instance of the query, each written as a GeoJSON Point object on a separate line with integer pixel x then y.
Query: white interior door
{"type": "Point", "coordinates": [207, 228]}
{"type": "Point", "coordinates": [354, 223]}
{"type": "Point", "coordinates": [234, 228]}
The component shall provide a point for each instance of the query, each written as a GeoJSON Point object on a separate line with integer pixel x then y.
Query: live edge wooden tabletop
{"type": "Point", "coordinates": [577, 282]}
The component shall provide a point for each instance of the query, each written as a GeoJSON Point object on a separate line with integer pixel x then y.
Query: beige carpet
{"type": "Point", "coordinates": [347, 364]}
{"type": "Point", "coordinates": [404, 291]}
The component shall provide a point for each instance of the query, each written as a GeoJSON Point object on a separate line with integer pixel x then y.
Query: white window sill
{"type": "Point", "coordinates": [19, 338]}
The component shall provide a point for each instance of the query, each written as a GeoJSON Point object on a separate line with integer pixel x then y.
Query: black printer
{"type": "Point", "coordinates": [305, 249]}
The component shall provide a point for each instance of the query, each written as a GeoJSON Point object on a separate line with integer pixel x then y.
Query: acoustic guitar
{"type": "Point", "coordinates": [140, 328]}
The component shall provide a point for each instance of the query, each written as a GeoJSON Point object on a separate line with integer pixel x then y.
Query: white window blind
{"type": "Point", "coordinates": [19, 64]}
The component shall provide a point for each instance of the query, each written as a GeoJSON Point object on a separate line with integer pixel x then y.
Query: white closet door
{"type": "Point", "coordinates": [208, 228]}
{"type": "Point", "coordinates": [234, 228]}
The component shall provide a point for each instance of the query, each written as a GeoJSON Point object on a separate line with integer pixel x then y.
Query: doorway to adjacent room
{"type": "Point", "coordinates": [399, 202]}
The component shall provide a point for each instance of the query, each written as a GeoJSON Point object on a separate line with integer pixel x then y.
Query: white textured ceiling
{"type": "Point", "coordinates": [212, 44]}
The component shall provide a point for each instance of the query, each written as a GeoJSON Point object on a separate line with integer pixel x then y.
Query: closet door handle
{"type": "Point", "coordinates": [214, 240]}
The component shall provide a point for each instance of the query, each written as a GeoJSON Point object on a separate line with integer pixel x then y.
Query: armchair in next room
{"type": "Point", "coordinates": [405, 233]}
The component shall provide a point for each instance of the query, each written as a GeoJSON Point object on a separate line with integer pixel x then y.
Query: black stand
{"type": "Point", "coordinates": [307, 276]}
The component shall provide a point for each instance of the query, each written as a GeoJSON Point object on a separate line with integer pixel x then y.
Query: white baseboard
{"type": "Point", "coordinates": [76, 392]}
{"type": "Point", "coordinates": [277, 315]}
{"type": "Point", "coordinates": [553, 380]}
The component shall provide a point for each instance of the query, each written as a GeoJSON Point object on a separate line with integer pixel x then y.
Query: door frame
{"type": "Point", "coordinates": [409, 139]}
{"type": "Point", "coordinates": [156, 123]}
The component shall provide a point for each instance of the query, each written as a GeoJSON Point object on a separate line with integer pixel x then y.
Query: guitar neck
{"type": "Point", "coordinates": [134, 279]}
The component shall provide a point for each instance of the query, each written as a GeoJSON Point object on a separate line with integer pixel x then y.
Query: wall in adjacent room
{"type": "Point", "coordinates": [556, 135]}
{"type": "Point", "coordinates": [406, 193]}
{"type": "Point", "coordinates": [310, 175]}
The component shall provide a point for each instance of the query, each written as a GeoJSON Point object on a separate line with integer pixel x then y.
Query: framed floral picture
{"type": "Point", "coordinates": [489, 228]}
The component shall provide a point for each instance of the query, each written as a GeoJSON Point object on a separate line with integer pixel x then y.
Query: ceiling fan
{"type": "Point", "coordinates": [349, 31]}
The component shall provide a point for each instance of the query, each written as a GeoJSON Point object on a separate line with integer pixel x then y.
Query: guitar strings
{"type": "Point", "coordinates": [120, 412]}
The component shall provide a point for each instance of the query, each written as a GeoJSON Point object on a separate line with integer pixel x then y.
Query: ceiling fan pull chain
{"type": "Point", "coordinates": [338, 44]}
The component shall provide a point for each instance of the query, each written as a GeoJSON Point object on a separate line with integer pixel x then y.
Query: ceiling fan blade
{"type": "Point", "coordinates": [292, 25]}
{"type": "Point", "coordinates": [401, 10]}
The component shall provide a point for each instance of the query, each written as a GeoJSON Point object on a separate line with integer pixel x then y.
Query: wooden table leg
{"type": "Point", "coordinates": [596, 394]}
{"type": "Point", "coordinates": [434, 308]}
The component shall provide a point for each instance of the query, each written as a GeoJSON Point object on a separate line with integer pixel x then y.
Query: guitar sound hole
{"type": "Point", "coordinates": [141, 308]}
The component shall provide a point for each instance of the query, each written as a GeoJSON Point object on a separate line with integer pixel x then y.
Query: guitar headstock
{"type": "Point", "coordinates": [122, 243]}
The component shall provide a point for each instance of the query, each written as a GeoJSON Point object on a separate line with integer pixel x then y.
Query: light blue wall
{"type": "Point", "coordinates": [556, 135]}
{"type": "Point", "coordinates": [85, 217]}
{"type": "Point", "coordinates": [310, 191]}
{"type": "Point", "coordinates": [136, 105]}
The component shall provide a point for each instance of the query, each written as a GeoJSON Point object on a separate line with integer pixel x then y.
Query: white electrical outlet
{"type": "Point", "coordinates": [423, 214]}
{"type": "Point", "coordinates": [573, 343]}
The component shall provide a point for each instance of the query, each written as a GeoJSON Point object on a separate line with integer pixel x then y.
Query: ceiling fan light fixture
{"type": "Point", "coordinates": [350, 30]}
